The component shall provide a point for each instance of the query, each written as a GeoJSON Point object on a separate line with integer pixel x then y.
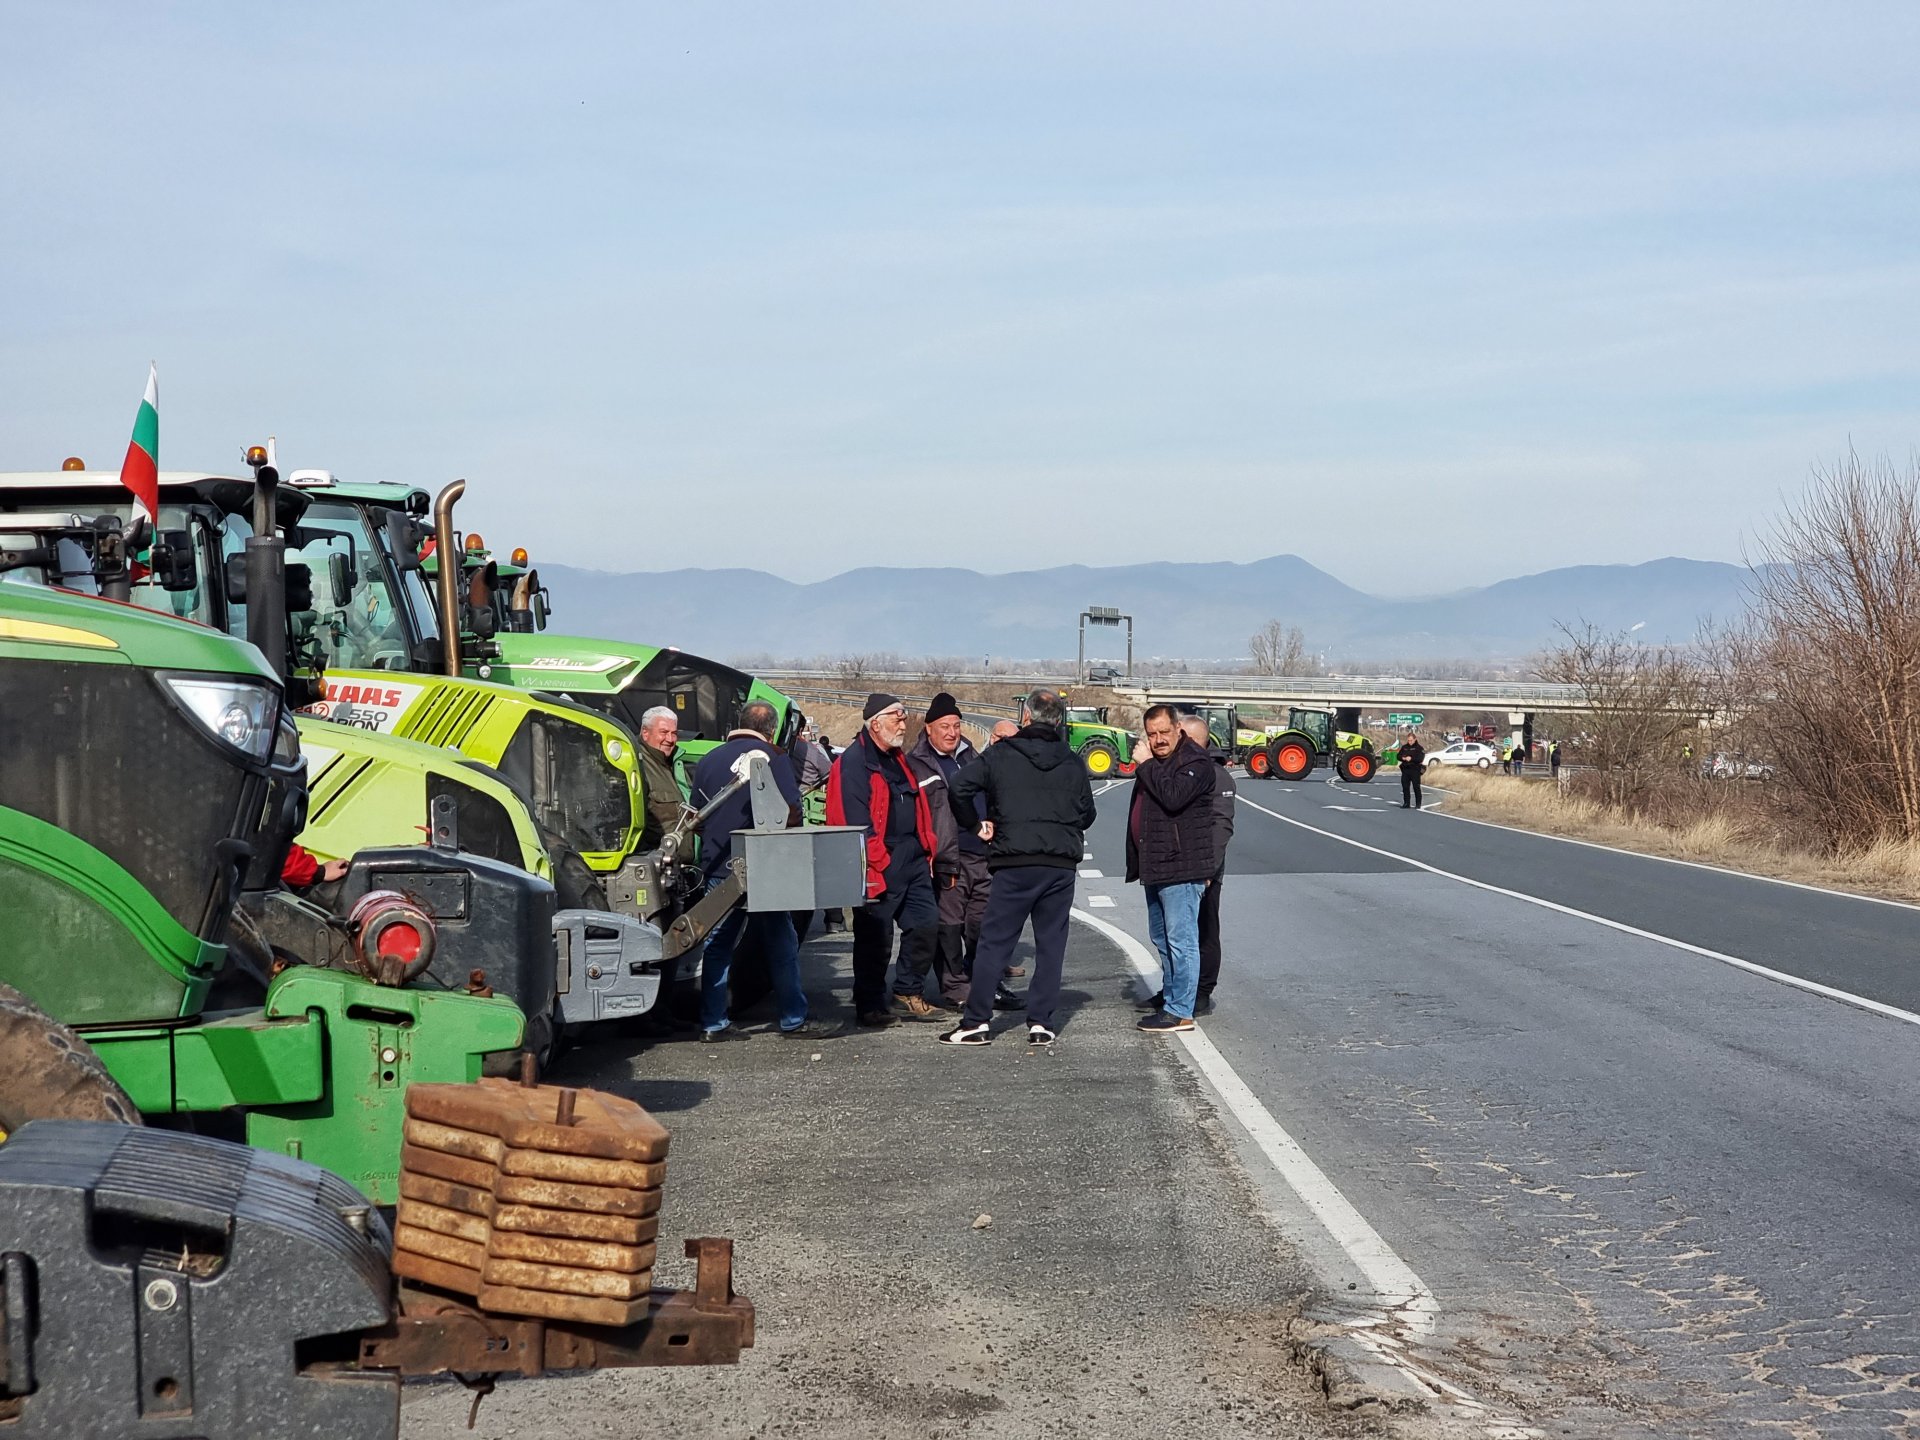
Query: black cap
{"type": "Point", "coordinates": [879, 701]}
{"type": "Point", "coordinates": [943, 705]}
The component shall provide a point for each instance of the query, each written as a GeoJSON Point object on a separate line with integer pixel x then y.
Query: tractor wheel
{"type": "Point", "coordinates": [1356, 767]}
{"type": "Point", "coordinates": [1259, 764]}
{"type": "Point", "coordinates": [49, 1073]}
{"type": "Point", "coordinates": [576, 886]}
{"type": "Point", "coordinates": [1291, 757]}
{"type": "Point", "coordinates": [1100, 758]}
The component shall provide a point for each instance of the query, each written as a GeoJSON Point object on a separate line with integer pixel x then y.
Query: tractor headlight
{"type": "Point", "coordinates": [236, 712]}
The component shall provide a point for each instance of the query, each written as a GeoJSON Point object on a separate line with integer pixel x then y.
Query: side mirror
{"type": "Point", "coordinates": [540, 609]}
{"type": "Point", "coordinates": [235, 579]}
{"type": "Point", "coordinates": [340, 578]}
{"type": "Point", "coordinates": [405, 535]}
{"type": "Point", "coordinates": [299, 588]}
{"type": "Point", "coordinates": [171, 561]}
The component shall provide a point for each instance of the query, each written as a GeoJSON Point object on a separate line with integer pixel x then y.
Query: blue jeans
{"type": "Point", "coordinates": [1173, 919]}
{"type": "Point", "coordinates": [773, 931]}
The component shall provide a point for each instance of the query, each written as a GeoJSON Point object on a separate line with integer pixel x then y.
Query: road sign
{"type": "Point", "coordinates": [1103, 614]}
{"type": "Point", "coordinates": [1406, 720]}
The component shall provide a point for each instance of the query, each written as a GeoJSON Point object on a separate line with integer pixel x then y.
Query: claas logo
{"type": "Point", "coordinates": [363, 694]}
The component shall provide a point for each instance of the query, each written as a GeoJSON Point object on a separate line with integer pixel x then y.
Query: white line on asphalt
{"type": "Point", "coordinates": [1812, 987]}
{"type": "Point", "coordinates": [1674, 860]}
{"type": "Point", "coordinates": [1391, 1278]}
{"type": "Point", "coordinates": [1092, 875]}
{"type": "Point", "coordinates": [1100, 902]}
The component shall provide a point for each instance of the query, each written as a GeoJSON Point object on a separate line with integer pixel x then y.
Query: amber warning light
{"type": "Point", "coordinates": [475, 544]}
{"type": "Point", "coordinates": [519, 556]}
{"type": "Point", "coordinates": [73, 462]}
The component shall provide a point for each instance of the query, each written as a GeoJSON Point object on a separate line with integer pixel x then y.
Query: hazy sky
{"type": "Point", "coordinates": [984, 285]}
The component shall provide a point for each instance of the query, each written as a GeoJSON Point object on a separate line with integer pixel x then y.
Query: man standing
{"type": "Point", "coordinates": [659, 738]}
{"type": "Point", "coordinates": [1224, 794]}
{"type": "Point", "coordinates": [1002, 730]}
{"type": "Point", "coordinates": [772, 930]}
{"type": "Point", "coordinates": [871, 787]}
{"type": "Point", "coordinates": [960, 874]}
{"type": "Point", "coordinates": [1413, 766]}
{"type": "Point", "coordinates": [1039, 806]}
{"type": "Point", "coordinates": [1553, 760]}
{"type": "Point", "coordinates": [1170, 851]}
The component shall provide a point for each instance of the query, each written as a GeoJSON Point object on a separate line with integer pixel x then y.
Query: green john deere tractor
{"type": "Point", "coordinates": [157, 782]}
{"type": "Point", "coordinates": [1106, 750]}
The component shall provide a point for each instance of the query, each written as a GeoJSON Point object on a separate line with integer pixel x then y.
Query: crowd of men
{"type": "Point", "coordinates": [965, 849]}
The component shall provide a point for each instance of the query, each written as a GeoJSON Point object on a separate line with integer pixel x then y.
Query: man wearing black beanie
{"type": "Point", "coordinates": [871, 787]}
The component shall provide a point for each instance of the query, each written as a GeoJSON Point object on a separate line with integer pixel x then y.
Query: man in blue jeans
{"type": "Point", "coordinates": [1171, 850]}
{"type": "Point", "coordinates": [772, 930]}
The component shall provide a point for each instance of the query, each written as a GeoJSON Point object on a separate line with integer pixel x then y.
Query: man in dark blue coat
{"type": "Point", "coordinates": [773, 930]}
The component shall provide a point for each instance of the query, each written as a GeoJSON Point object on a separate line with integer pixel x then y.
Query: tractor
{"type": "Point", "coordinates": [1106, 750]}
{"type": "Point", "coordinates": [1313, 737]}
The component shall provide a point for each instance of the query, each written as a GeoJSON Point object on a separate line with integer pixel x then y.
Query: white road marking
{"type": "Point", "coordinates": [1675, 860]}
{"type": "Point", "coordinates": [1812, 987]}
{"type": "Point", "coordinates": [1099, 902]}
{"type": "Point", "coordinates": [1092, 874]}
{"type": "Point", "coordinates": [1393, 1282]}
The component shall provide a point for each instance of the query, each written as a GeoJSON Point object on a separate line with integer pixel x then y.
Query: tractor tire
{"type": "Point", "coordinates": [576, 886]}
{"type": "Point", "coordinates": [1357, 767]}
{"type": "Point", "coordinates": [1100, 758]}
{"type": "Point", "coordinates": [1259, 764]}
{"type": "Point", "coordinates": [47, 1072]}
{"type": "Point", "coordinates": [1291, 757]}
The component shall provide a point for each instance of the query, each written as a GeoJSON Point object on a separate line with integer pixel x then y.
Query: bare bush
{"type": "Point", "coordinates": [1279, 649]}
{"type": "Point", "coordinates": [1827, 662]}
{"type": "Point", "coordinates": [1642, 705]}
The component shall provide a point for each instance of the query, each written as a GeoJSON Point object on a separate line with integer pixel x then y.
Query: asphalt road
{"type": "Point", "coordinates": [1127, 1282]}
{"type": "Point", "coordinates": [1654, 1194]}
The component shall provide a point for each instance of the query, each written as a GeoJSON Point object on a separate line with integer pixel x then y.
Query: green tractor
{"type": "Point", "coordinates": [502, 611]}
{"type": "Point", "coordinates": [1106, 750]}
{"type": "Point", "coordinates": [158, 782]}
{"type": "Point", "coordinates": [1314, 737]}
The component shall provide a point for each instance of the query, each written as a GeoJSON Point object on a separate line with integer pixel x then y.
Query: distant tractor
{"type": "Point", "coordinates": [1314, 736]}
{"type": "Point", "coordinates": [1103, 748]}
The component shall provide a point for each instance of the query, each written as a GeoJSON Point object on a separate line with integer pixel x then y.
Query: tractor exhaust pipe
{"type": "Point", "coordinates": [266, 561]}
{"type": "Point", "coordinates": [448, 555]}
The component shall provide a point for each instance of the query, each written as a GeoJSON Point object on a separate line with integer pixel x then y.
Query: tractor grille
{"type": "Point", "coordinates": [448, 717]}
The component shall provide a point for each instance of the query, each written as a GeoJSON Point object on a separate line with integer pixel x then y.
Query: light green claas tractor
{"type": "Point", "coordinates": [1315, 737]}
{"type": "Point", "coordinates": [502, 611]}
{"type": "Point", "coordinates": [154, 782]}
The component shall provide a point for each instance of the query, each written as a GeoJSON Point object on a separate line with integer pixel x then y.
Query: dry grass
{"type": "Point", "coordinates": [1732, 834]}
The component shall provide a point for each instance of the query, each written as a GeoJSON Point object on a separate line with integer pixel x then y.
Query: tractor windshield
{"type": "Point", "coordinates": [706, 697]}
{"type": "Point", "coordinates": [577, 792]}
{"type": "Point", "coordinates": [34, 515]}
{"type": "Point", "coordinates": [368, 613]}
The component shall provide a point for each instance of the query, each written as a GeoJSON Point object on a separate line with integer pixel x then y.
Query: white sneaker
{"type": "Point", "coordinates": [966, 1035]}
{"type": "Point", "coordinates": [1040, 1035]}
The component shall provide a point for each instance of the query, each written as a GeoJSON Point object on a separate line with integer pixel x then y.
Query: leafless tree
{"type": "Point", "coordinates": [1281, 650]}
{"type": "Point", "coordinates": [1828, 660]}
{"type": "Point", "coordinates": [1642, 703]}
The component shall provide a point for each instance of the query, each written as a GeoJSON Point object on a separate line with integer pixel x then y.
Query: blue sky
{"type": "Point", "coordinates": [1431, 295]}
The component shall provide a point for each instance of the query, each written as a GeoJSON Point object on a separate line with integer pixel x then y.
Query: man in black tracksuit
{"type": "Point", "coordinates": [1413, 764]}
{"type": "Point", "coordinates": [1039, 807]}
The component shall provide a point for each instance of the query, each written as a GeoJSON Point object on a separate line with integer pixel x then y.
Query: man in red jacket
{"type": "Point", "coordinates": [871, 787]}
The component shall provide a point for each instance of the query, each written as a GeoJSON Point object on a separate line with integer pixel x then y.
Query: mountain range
{"type": "Point", "coordinates": [1186, 611]}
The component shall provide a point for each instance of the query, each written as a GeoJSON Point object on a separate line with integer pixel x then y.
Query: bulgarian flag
{"type": "Point", "coordinates": [140, 471]}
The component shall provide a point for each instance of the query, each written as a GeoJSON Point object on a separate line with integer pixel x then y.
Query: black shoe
{"type": "Point", "coordinates": [814, 1030]}
{"type": "Point", "coordinates": [877, 1019]}
{"type": "Point", "coordinates": [720, 1036]}
{"type": "Point", "coordinates": [1203, 1005]}
{"type": "Point", "coordinates": [1005, 999]}
{"type": "Point", "coordinates": [965, 1034]}
{"type": "Point", "coordinates": [1164, 1024]}
{"type": "Point", "coordinates": [1156, 1001]}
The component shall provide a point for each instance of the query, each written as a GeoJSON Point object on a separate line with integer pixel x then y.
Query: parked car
{"type": "Point", "coordinates": [1738, 767]}
{"type": "Point", "coordinates": [1467, 752]}
{"type": "Point", "coordinates": [1102, 674]}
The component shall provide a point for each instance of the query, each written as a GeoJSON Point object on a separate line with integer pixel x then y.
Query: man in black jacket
{"type": "Point", "coordinates": [1171, 841]}
{"type": "Point", "coordinates": [1039, 805]}
{"type": "Point", "coordinates": [1413, 766]}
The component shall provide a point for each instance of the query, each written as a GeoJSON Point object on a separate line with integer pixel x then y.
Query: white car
{"type": "Point", "coordinates": [1465, 752]}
